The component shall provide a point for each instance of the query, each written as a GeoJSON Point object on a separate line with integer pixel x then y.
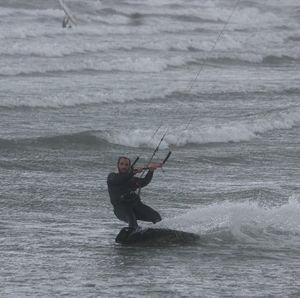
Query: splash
{"type": "Point", "coordinates": [242, 222]}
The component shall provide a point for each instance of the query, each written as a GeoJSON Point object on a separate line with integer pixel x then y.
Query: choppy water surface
{"type": "Point", "coordinates": [73, 100]}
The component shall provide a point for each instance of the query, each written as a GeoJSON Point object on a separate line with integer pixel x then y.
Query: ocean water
{"type": "Point", "coordinates": [220, 78]}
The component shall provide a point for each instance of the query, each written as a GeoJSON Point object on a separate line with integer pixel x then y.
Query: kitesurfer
{"type": "Point", "coordinates": [122, 187]}
{"type": "Point", "coordinates": [66, 21]}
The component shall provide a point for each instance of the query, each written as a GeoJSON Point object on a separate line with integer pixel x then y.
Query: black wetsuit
{"type": "Point", "coordinates": [127, 203]}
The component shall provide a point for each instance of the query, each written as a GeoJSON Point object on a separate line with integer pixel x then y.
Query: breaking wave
{"type": "Point", "coordinates": [176, 136]}
{"type": "Point", "coordinates": [242, 222]}
{"type": "Point", "coordinates": [230, 132]}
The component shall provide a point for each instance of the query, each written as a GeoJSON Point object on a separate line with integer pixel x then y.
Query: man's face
{"type": "Point", "coordinates": [123, 165]}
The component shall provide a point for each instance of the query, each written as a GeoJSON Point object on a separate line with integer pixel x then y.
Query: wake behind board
{"type": "Point", "coordinates": [67, 11]}
{"type": "Point", "coordinates": [155, 236]}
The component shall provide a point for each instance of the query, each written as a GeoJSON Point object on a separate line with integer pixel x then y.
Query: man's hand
{"type": "Point", "coordinates": [154, 165]}
{"type": "Point", "coordinates": [137, 170]}
{"type": "Point", "coordinates": [151, 167]}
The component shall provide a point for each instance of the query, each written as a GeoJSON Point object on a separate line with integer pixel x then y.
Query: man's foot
{"type": "Point", "coordinates": [129, 229]}
{"type": "Point", "coordinates": [134, 230]}
{"type": "Point", "coordinates": [138, 228]}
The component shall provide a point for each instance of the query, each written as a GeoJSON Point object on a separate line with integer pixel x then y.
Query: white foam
{"type": "Point", "coordinates": [238, 218]}
{"type": "Point", "coordinates": [135, 138]}
{"type": "Point", "coordinates": [230, 132]}
{"type": "Point", "coordinates": [234, 131]}
{"type": "Point", "coordinates": [63, 99]}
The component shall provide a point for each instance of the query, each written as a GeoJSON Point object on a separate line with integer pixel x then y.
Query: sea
{"type": "Point", "coordinates": [216, 82]}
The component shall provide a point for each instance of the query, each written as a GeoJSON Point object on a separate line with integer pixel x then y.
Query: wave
{"type": "Point", "coordinates": [294, 38]}
{"type": "Point", "coordinates": [87, 29]}
{"type": "Point", "coordinates": [109, 20]}
{"type": "Point", "coordinates": [272, 59]}
{"type": "Point", "coordinates": [252, 58]}
{"type": "Point", "coordinates": [120, 64]}
{"type": "Point", "coordinates": [247, 221]}
{"type": "Point", "coordinates": [228, 132]}
{"type": "Point", "coordinates": [49, 12]}
{"type": "Point", "coordinates": [258, 48]}
{"type": "Point", "coordinates": [292, 91]}
{"type": "Point", "coordinates": [45, 48]}
{"type": "Point", "coordinates": [103, 96]}
{"type": "Point", "coordinates": [132, 64]}
{"type": "Point", "coordinates": [176, 136]}
{"type": "Point", "coordinates": [86, 139]}
{"type": "Point", "coordinates": [154, 92]}
{"type": "Point", "coordinates": [55, 31]}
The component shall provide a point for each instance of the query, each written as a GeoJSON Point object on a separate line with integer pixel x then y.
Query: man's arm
{"type": "Point", "coordinates": [142, 182]}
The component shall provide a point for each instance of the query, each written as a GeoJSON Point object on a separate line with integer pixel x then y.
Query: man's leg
{"type": "Point", "coordinates": [126, 213]}
{"type": "Point", "coordinates": [146, 213]}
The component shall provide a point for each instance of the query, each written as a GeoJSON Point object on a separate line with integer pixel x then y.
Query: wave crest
{"type": "Point", "coordinates": [230, 132]}
{"type": "Point", "coordinates": [243, 222]}
{"type": "Point", "coordinates": [86, 138]}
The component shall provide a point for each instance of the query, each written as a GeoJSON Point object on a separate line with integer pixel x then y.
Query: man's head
{"type": "Point", "coordinates": [124, 164]}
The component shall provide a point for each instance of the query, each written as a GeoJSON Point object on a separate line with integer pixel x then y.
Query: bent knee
{"type": "Point", "coordinates": [157, 218]}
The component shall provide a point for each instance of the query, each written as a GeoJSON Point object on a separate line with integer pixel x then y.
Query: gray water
{"type": "Point", "coordinates": [72, 100]}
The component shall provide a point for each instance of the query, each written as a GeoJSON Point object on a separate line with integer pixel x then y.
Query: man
{"type": "Point", "coordinates": [66, 21]}
{"type": "Point", "coordinates": [122, 188]}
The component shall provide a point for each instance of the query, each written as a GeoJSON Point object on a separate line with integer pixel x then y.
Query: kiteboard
{"type": "Point", "coordinates": [67, 11]}
{"type": "Point", "coordinates": [155, 236]}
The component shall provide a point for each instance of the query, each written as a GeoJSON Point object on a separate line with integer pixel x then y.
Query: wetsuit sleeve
{"type": "Point", "coordinates": [114, 179]}
{"type": "Point", "coordinates": [146, 180]}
